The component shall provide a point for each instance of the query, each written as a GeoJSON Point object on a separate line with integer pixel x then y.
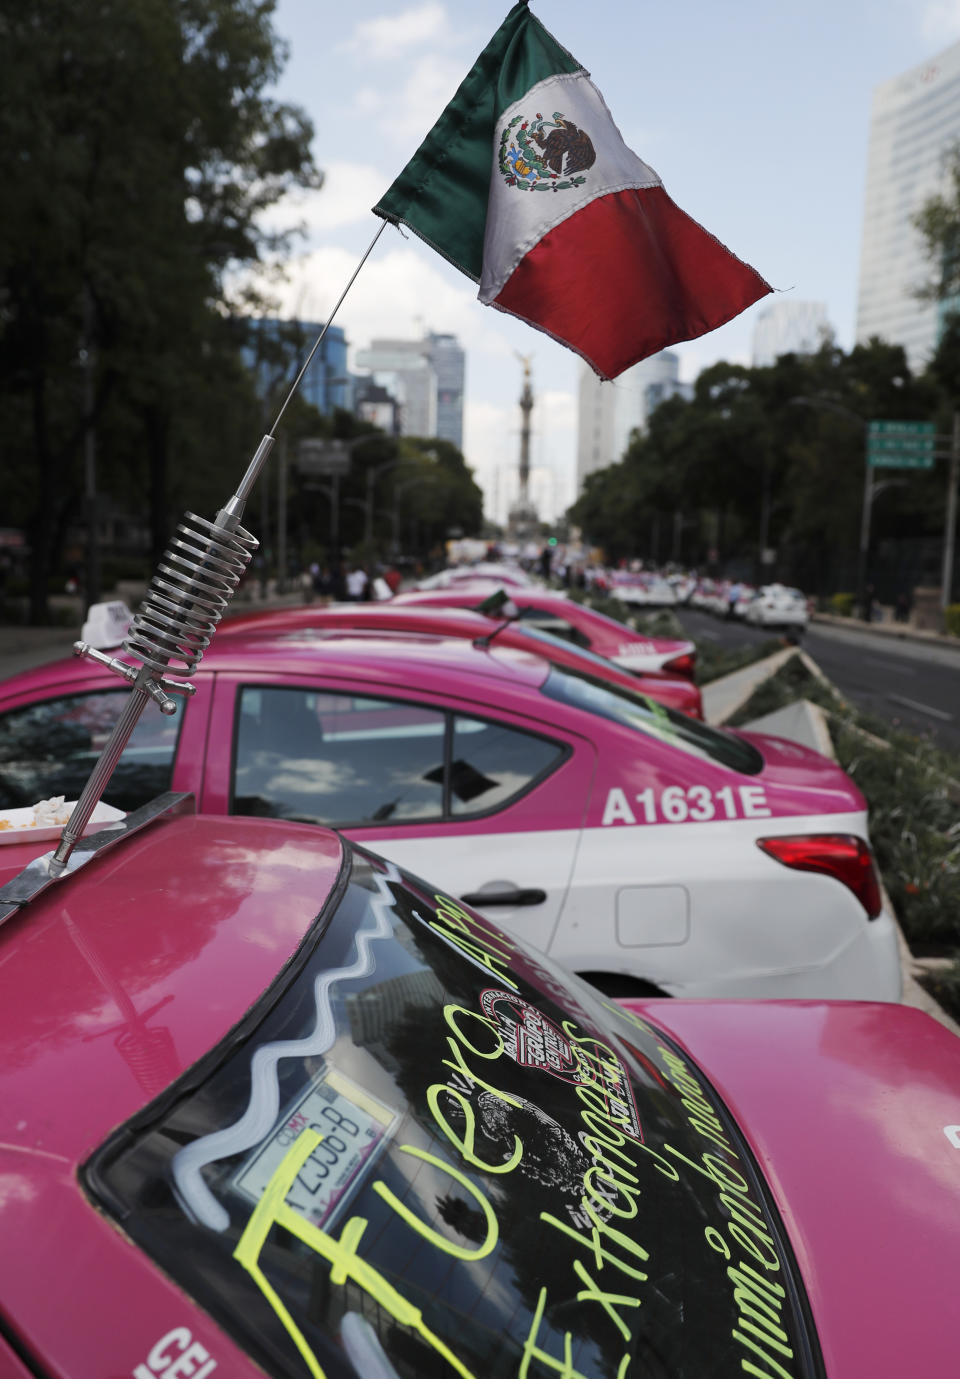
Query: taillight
{"type": "Point", "coordinates": [681, 665]}
{"type": "Point", "coordinates": [843, 856]}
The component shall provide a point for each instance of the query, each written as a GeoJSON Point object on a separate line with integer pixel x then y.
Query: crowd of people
{"type": "Point", "coordinates": [349, 582]}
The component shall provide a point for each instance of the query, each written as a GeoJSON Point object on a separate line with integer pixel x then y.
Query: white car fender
{"type": "Point", "coordinates": [700, 910]}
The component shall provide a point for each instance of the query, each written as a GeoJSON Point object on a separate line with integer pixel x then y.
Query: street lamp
{"type": "Point", "coordinates": [399, 489]}
{"type": "Point", "coordinates": [372, 474]}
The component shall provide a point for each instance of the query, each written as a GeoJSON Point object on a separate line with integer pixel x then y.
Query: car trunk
{"type": "Point", "coordinates": [851, 1110]}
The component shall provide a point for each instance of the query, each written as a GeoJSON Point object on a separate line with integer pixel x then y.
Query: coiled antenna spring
{"type": "Point", "coordinates": [185, 602]}
{"type": "Point", "coordinates": [188, 595]}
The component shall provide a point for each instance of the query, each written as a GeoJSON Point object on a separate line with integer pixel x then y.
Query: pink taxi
{"type": "Point", "coordinates": [576, 622]}
{"type": "Point", "coordinates": [675, 690]}
{"type": "Point", "coordinates": [631, 842]}
{"type": "Point", "coordinates": [270, 1105]}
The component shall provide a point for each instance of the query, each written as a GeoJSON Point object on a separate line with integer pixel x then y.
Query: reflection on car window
{"type": "Point", "coordinates": [547, 638]}
{"type": "Point", "coordinates": [647, 716]}
{"type": "Point", "coordinates": [551, 622]}
{"type": "Point", "coordinates": [49, 748]}
{"type": "Point", "coordinates": [336, 759]}
{"type": "Point", "coordinates": [492, 764]}
{"type": "Point", "coordinates": [348, 759]}
{"type": "Point", "coordinates": [433, 1153]}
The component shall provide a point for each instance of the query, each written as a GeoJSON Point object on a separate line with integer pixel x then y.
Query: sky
{"type": "Point", "coordinates": [755, 116]}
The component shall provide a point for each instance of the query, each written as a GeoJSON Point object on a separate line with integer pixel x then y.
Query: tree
{"type": "Point", "coordinates": [938, 222]}
{"type": "Point", "coordinates": [137, 150]}
{"type": "Point", "coordinates": [757, 458]}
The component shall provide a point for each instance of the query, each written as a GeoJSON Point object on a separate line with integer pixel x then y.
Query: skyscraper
{"type": "Point", "coordinates": [278, 350]}
{"type": "Point", "coordinates": [608, 412]}
{"type": "Point", "coordinates": [427, 377]}
{"type": "Point", "coordinates": [403, 367]}
{"type": "Point", "coordinates": [449, 365]}
{"type": "Point", "coordinates": [914, 120]}
{"type": "Point", "coordinates": [789, 327]}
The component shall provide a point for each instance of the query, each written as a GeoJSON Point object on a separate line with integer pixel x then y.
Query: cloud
{"type": "Point", "coordinates": [940, 20]}
{"type": "Point", "coordinates": [392, 35]}
{"type": "Point", "coordinates": [405, 114]}
{"type": "Point", "coordinates": [349, 191]}
{"type": "Point", "coordinates": [400, 293]}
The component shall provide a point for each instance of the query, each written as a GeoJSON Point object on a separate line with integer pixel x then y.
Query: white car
{"type": "Point", "coordinates": [642, 589]}
{"type": "Point", "coordinates": [778, 606]}
{"type": "Point", "coordinates": [746, 596]}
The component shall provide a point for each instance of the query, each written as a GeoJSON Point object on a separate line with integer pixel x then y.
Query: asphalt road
{"type": "Point", "coordinates": [908, 684]}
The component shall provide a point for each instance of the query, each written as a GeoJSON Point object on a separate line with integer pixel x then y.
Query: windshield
{"type": "Point", "coordinates": [645, 715]}
{"type": "Point", "coordinates": [430, 1152]}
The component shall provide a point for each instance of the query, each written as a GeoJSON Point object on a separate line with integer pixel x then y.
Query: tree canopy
{"type": "Point", "coordinates": [766, 459]}
{"type": "Point", "coordinates": [138, 148]}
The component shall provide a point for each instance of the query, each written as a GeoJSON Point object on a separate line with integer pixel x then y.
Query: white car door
{"type": "Point", "coordinates": [487, 809]}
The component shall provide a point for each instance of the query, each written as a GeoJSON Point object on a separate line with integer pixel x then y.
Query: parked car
{"type": "Point", "coordinates": [641, 588]}
{"type": "Point", "coordinates": [577, 623]}
{"type": "Point", "coordinates": [745, 596]}
{"type": "Point", "coordinates": [675, 690]}
{"type": "Point", "coordinates": [269, 1105]}
{"type": "Point", "coordinates": [630, 841]}
{"type": "Point", "coordinates": [777, 606]}
{"type": "Point", "coordinates": [501, 572]}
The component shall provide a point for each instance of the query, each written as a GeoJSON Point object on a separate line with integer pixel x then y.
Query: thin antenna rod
{"type": "Point", "coordinates": [316, 346]}
{"type": "Point", "coordinates": [179, 616]}
{"type": "Point", "coordinates": [229, 516]}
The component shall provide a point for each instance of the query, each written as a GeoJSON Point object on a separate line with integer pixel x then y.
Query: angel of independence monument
{"type": "Point", "coordinates": [523, 520]}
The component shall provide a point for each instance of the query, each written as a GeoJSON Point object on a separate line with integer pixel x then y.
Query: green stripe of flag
{"type": "Point", "coordinates": [442, 192]}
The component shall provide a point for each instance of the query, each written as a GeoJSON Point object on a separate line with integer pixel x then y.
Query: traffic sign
{"type": "Point", "coordinates": [901, 444]}
{"type": "Point", "coordinates": [323, 457]}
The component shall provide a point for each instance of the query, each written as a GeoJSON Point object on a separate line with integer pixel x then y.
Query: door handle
{"type": "Point", "coordinates": [517, 896]}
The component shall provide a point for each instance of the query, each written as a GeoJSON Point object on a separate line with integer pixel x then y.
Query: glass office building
{"type": "Point", "coordinates": [915, 120]}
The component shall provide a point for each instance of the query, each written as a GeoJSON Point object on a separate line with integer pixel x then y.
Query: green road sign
{"type": "Point", "coordinates": [901, 444]}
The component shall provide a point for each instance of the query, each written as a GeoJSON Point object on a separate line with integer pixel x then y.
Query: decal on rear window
{"type": "Point", "coordinates": [429, 1151]}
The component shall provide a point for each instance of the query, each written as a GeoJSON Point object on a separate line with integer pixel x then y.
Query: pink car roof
{"type": "Point", "coordinates": [552, 602]}
{"type": "Point", "coordinates": [441, 621]}
{"type": "Point", "coordinates": [84, 959]}
{"type": "Point", "coordinates": [798, 781]}
{"type": "Point", "coordinates": [846, 1106]}
{"type": "Point", "coordinates": [438, 663]}
{"type": "Point", "coordinates": [113, 986]}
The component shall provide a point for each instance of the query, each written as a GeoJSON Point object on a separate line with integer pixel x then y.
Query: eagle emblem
{"type": "Point", "coordinates": [545, 155]}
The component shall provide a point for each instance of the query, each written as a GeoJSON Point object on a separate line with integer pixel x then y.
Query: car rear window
{"type": "Point", "coordinates": [550, 621]}
{"type": "Point", "coordinates": [428, 1151]}
{"type": "Point", "coordinates": [651, 719]}
{"type": "Point", "coordinates": [49, 748]}
{"type": "Point", "coordinates": [589, 658]}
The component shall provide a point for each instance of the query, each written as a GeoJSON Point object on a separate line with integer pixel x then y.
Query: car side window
{"type": "Point", "coordinates": [492, 764]}
{"type": "Point", "coordinates": [49, 748]}
{"type": "Point", "coordinates": [336, 758]}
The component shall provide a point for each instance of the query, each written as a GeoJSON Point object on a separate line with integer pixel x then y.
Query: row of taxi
{"type": "Point", "coordinates": [270, 1102]}
{"type": "Point", "coordinates": [570, 792]}
{"type": "Point", "coordinates": [769, 605]}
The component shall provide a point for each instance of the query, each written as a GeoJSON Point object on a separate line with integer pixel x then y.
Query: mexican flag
{"type": "Point", "coordinates": [525, 184]}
